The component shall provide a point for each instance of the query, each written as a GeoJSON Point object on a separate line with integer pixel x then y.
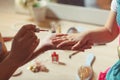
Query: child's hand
{"type": "Point", "coordinates": [73, 41]}
{"type": "Point", "coordinates": [47, 42]}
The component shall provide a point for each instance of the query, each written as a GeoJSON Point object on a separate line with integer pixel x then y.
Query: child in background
{"type": "Point", "coordinates": [85, 40]}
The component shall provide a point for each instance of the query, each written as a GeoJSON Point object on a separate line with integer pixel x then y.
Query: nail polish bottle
{"type": "Point", "coordinates": [55, 57]}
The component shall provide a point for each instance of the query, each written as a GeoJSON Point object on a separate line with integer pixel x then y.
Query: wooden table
{"type": "Point", "coordinates": [106, 55]}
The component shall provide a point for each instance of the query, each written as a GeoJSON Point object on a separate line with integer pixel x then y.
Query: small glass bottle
{"type": "Point", "coordinates": [53, 27]}
{"type": "Point", "coordinates": [55, 57]}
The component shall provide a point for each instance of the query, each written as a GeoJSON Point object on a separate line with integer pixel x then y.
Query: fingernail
{"type": "Point", "coordinates": [57, 46]}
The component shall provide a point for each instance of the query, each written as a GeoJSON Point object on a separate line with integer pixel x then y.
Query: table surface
{"type": "Point", "coordinates": [105, 55]}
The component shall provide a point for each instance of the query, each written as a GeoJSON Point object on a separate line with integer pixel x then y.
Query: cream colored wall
{"type": "Point", "coordinates": [73, 13]}
{"type": "Point", "coordinates": [77, 13]}
{"type": "Point", "coordinates": [6, 5]}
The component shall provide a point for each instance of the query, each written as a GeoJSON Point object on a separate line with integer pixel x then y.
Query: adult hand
{"type": "Point", "coordinates": [24, 43]}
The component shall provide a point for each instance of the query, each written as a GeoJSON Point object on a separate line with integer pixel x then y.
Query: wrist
{"type": "Point", "coordinates": [87, 35]}
{"type": "Point", "coordinates": [12, 60]}
{"type": "Point", "coordinates": [7, 68]}
{"type": "Point", "coordinates": [45, 47]}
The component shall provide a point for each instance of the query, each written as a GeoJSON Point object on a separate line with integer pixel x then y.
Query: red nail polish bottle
{"type": "Point", "coordinates": [55, 57]}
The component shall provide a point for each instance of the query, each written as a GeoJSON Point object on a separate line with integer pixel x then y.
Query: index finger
{"type": "Point", "coordinates": [24, 29]}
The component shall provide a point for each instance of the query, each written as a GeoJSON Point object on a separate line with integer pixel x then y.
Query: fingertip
{"type": "Point", "coordinates": [38, 40]}
{"type": "Point", "coordinates": [61, 34]}
{"type": "Point", "coordinates": [74, 47]}
{"type": "Point", "coordinates": [58, 46]}
{"type": "Point", "coordinates": [29, 27]}
{"type": "Point", "coordinates": [53, 40]}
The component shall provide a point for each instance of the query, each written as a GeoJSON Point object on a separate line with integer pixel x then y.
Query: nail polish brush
{"type": "Point", "coordinates": [38, 30]}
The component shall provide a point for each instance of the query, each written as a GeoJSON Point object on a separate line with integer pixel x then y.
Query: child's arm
{"type": "Point", "coordinates": [107, 33]}
{"type": "Point", "coordinates": [85, 40]}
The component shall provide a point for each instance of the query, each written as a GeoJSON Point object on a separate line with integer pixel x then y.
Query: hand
{"type": "Point", "coordinates": [78, 41]}
{"type": "Point", "coordinates": [24, 43]}
{"type": "Point", "coordinates": [45, 45]}
{"type": "Point", "coordinates": [59, 39]}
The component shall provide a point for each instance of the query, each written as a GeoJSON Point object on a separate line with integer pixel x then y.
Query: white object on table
{"type": "Point", "coordinates": [88, 63]}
